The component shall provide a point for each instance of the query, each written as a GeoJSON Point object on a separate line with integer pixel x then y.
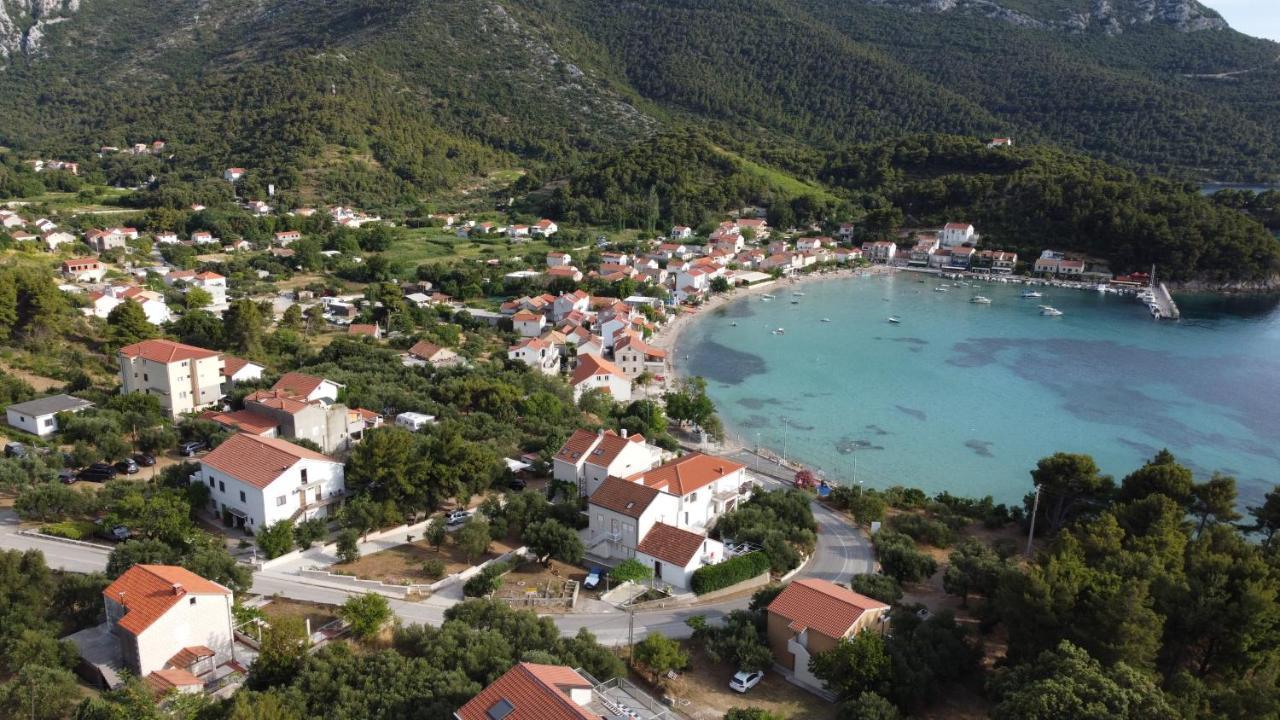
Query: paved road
{"type": "Point", "coordinates": [841, 551]}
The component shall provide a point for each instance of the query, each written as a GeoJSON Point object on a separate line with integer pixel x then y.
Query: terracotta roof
{"type": "Point", "coordinates": [671, 544]}
{"type": "Point", "coordinates": [166, 351]}
{"type": "Point", "coordinates": [368, 415]}
{"type": "Point", "coordinates": [822, 606]}
{"type": "Point", "coordinates": [256, 460]}
{"type": "Point", "coordinates": [590, 365]}
{"type": "Point", "coordinates": [148, 591]}
{"type": "Point", "coordinates": [162, 681]}
{"type": "Point", "coordinates": [232, 365]}
{"type": "Point", "coordinates": [278, 399]}
{"type": "Point", "coordinates": [611, 444]}
{"type": "Point", "coordinates": [623, 496]}
{"type": "Point", "coordinates": [524, 316]}
{"type": "Point", "coordinates": [244, 420]}
{"type": "Point", "coordinates": [188, 655]}
{"type": "Point", "coordinates": [424, 349]}
{"type": "Point", "coordinates": [362, 329]}
{"type": "Point", "coordinates": [530, 692]}
{"type": "Point", "coordinates": [686, 474]}
{"type": "Point", "coordinates": [298, 383]}
{"type": "Point", "coordinates": [577, 446]}
{"type": "Point", "coordinates": [956, 226]}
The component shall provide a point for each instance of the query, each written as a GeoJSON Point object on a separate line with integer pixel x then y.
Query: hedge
{"type": "Point", "coordinates": [730, 572]}
{"type": "Point", "coordinates": [487, 580]}
{"type": "Point", "coordinates": [70, 529]}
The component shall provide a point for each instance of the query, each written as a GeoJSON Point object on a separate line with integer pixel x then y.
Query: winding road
{"type": "Point", "coordinates": [841, 551]}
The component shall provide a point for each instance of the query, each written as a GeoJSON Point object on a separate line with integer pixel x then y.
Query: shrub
{"type": "Point", "coordinates": [276, 539]}
{"type": "Point", "coordinates": [877, 587]}
{"type": "Point", "coordinates": [487, 580]}
{"type": "Point", "coordinates": [309, 532]}
{"type": "Point", "coordinates": [433, 568]}
{"type": "Point", "coordinates": [730, 572]}
{"type": "Point", "coordinates": [900, 559]}
{"type": "Point", "coordinates": [70, 529]}
{"type": "Point", "coordinates": [632, 570]}
{"type": "Point", "coordinates": [348, 546]}
{"type": "Point", "coordinates": [923, 529]}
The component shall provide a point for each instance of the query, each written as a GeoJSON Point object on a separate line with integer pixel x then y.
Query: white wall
{"type": "Point", "coordinates": [206, 621]}
{"type": "Point", "coordinates": [261, 504]}
{"type": "Point", "coordinates": [41, 425]}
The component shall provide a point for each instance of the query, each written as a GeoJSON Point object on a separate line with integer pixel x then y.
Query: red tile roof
{"type": "Point", "coordinates": [670, 544]}
{"type": "Point", "coordinates": [423, 349]}
{"type": "Point", "coordinates": [623, 496]}
{"type": "Point", "coordinates": [590, 365]}
{"type": "Point", "coordinates": [243, 420]}
{"type": "Point", "coordinates": [148, 591]}
{"type": "Point", "coordinates": [188, 655]}
{"type": "Point", "coordinates": [610, 446]}
{"type": "Point", "coordinates": [686, 474]}
{"type": "Point", "coordinates": [277, 399]}
{"type": "Point", "coordinates": [298, 383]}
{"type": "Point", "coordinates": [533, 692]}
{"type": "Point", "coordinates": [160, 682]}
{"type": "Point", "coordinates": [577, 446]}
{"type": "Point", "coordinates": [822, 606]}
{"type": "Point", "coordinates": [362, 329]}
{"type": "Point", "coordinates": [256, 460]}
{"type": "Point", "coordinates": [232, 365]}
{"type": "Point", "coordinates": [165, 351]}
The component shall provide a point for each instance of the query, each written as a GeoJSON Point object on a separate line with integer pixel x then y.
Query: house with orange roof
{"type": "Point", "coordinates": [165, 625]}
{"type": "Point", "coordinates": [812, 616]}
{"type": "Point", "coordinates": [576, 301]}
{"type": "Point", "coordinates": [565, 271]}
{"type": "Point", "coordinates": [544, 228]}
{"type": "Point", "coordinates": [257, 481]}
{"type": "Point", "coordinates": [587, 458]}
{"type": "Point", "coordinates": [530, 691]}
{"type": "Point", "coordinates": [308, 387]}
{"type": "Point", "coordinates": [528, 324]}
{"type": "Point", "coordinates": [185, 378]}
{"type": "Point", "coordinates": [331, 426]}
{"type": "Point", "coordinates": [636, 357]}
{"type": "Point", "coordinates": [428, 353]}
{"type": "Point", "coordinates": [593, 372]}
{"type": "Point", "coordinates": [365, 330]}
{"type": "Point", "coordinates": [538, 354]}
{"type": "Point", "coordinates": [236, 370]}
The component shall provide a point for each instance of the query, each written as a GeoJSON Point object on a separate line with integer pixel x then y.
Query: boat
{"type": "Point", "coordinates": [893, 319]}
{"type": "Point", "coordinates": [1050, 311]}
{"type": "Point", "coordinates": [798, 294]}
{"type": "Point", "coordinates": [1032, 294]}
{"type": "Point", "coordinates": [941, 289]}
{"type": "Point", "coordinates": [980, 300]}
{"type": "Point", "coordinates": [767, 296]}
{"type": "Point", "coordinates": [795, 302]}
{"type": "Point", "coordinates": [826, 319]}
{"type": "Point", "coordinates": [780, 331]}
{"type": "Point", "coordinates": [734, 324]}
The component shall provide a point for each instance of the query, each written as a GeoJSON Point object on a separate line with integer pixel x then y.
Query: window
{"type": "Point", "coordinates": [192, 601]}
{"type": "Point", "coordinates": [279, 500]}
{"type": "Point", "coordinates": [48, 422]}
{"type": "Point", "coordinates": [145, 377]}
{"type": "Point", "coordinates": [210, 482]}
{"type": "Point", "coordinates": [242, 497]}
{"type": "Point", "coordinates": [692, 497]}
{"type": "Point", "coordinates": [222, 487]}
{"type": "Point", "coordinates": [304, 475]}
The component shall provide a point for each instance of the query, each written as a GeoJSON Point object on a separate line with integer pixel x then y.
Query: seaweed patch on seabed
{"type": "Point", "coordinates": [917, 414]}
{"type": "Point", "coordinates": [848, 445]}
{"type": "Point", "coordinates": [758, 403]}
{"type": "Point", "coordinates": [799, 426]}
{"type": "Point", "coordinates": [877, 430]}
{"type": "Point", "coordinates": [982, 448]}
{"type": "Point", "coordinates": [756, 421]}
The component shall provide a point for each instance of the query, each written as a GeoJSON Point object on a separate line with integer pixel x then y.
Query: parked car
{"type": "Point", "coordinates": [66, 476]}
{"type": "Point", "coordinates": [744, 680]}
{"type": "Point", "coordinates": [593, 580]}
{"type": "Point", "coordinates": [457, 517]}
{"type": "Point", "coordinates": [98, 472]}
{"type": "Point", "coordinates": [188, 449]}
{"type": "Point", "coordinates": [517, 484]}
{"type": "Point", "coordinates": [16, 450]}
{"type": "Point", "coordinates": [144, 459]}
{"type": "Point", "coordinates": [115, 533]}
{"type": "Point", "coordinates": [127, 466]}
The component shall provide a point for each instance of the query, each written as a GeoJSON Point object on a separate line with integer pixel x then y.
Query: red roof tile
{"type": "Point", "coordinates": [165, 351]}
{"type": "Point", "coordinates": [670, 544]}
{"type": "Point", "coordinates": [423, 349]}
{"type": "Point", "coordinates": [822, 606]}
{"type": "Point", "coordinates": [533, 692]}
{"type": "Point", "coordinates": [590, 365]}
{"type": "Point", "coordinates": [256, 460]}
{"type": "Point", "coordinates": [148, 591]}
{"type": "Point", "coordinates": [298, 383]}
{"type": "Point", "coordinates": [623, 496]}
{"type": "Point", "coordinates": [232, 365]}
{"type": "Point", "coordinates": [686, 474]}
{"type": "Point", "coordinates": [160, 682]}
{"type": "Point", "coordinates": [188, 655]}
{"type": "Point", "coordinates": [243, 420]}
{"type": "Point", "coordinates": [577, 446]}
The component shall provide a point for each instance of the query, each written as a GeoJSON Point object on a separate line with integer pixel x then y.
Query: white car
{"type": "Point", "coordinates": [744, 681]}
{"type": "Point", "coordinates": [457, 517]}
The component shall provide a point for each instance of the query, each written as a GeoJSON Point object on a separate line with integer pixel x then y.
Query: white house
{"type": "Point", "coordinates": [956, 234]}
{"type": "Point", "coordinates": [185, 378]}
{"type": "Point", "coordinates": [285, 238]}
{"type": "Point", "coordinates": [54, 238]}
{"type": "Point", "coordinates": [568, 303]}
{"type": "Point", "coordinates": [537, 354]}
{"type": "Point", "coordinates": [258, 481]}
{"type": "Point", "coordinates": [680, 232]}
{"type": "Point", "coordinates": [204, 237]}
{"type": "Point", "coordinates": [426, 353]}
{"type": "Point", "coordinates": [308, 387]}
{"type": "Point", "coordinates": [559, 259]}
{"type": "Point", "coordinates": [544, 228]}
{"type": "Point", "coordinates": [414, 421]}
{"type": "Point", "coordinates": [172, 625]}
{"type": "Point", "coordinates": [587, 458]}
{"type": "Point", "coordinates": [232, 174]}
{"type": "Point", "coordinates": [238, 370]}
{"type": "Point", "coordinates": [594, 372]}
{"type": "Point", "coordinates": [37, 416]}
{"type": "Point", "coordinates": [675, 554]}
{"type": "Point", "coordinates": [528, 324]}
{"type": "Point", "coordinates": [635, 357]}
{"type": "Point", "coordinates": [880, 251]}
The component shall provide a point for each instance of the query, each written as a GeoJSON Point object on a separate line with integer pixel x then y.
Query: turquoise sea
{"type": "Point", "coordinates": [965, 397]}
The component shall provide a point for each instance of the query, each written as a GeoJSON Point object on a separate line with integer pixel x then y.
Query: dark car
{"type": "Point", "coordinates": [187, 449]}
{"type": "Point", "coordinates": [16, 450]}
{"type": "Point", "coordinates": [517, 484]}
{"type": "Point", "coordinates": [98, 472]}
{"type": "Point", "coordinates": [144, 459]}
{"type": "Point", "coordinates": [127, 466]}
{"type": "Point", "coordinates": [115, 533]}
{"type": "Point", "coordinates": [66, 476]}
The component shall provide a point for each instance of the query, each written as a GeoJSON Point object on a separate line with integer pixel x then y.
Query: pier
{"type": "Point", "coordinates": [1162, 305]}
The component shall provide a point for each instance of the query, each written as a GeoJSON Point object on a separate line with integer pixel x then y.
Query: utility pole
{"type": "Point", "coordinates": [631, 628]}
{"type": "Point", "coordinates": [785, 425]}
{"type": "Point", "coordinates": [1035, 510]}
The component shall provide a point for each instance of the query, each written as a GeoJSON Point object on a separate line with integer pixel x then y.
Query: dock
{"type": "Point", "coordinates": [1162, 305]}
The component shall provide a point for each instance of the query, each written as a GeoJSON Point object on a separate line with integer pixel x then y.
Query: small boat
{"type": "Point", "coordinates": [767, 296]}
{"type": "Point", "coordinates": [734, 324]}
{"type": "Point", "coordinates": [780, 331]}
{"type": "Point", "coordinates": [826, 319]}
{"type": "Point", "coordinates": [798, 294]}
{"type": "Point", "coordinates": [941, 289]}
{"type": "Point", "coordinates": [893, 319]}
{"type": "Point", "coordinates": [980, 300]}
{"type": "Point", "coordinates": [1050, 311]}
{"type": "Point", "coordinates": [1031, 294]}
{"type": "Point", "coordinates": [795, 302]}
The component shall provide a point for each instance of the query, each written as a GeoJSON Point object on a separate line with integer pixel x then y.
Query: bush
{"type": "Point", "coordinates": [433, 568]}
{"type": "Point", "coordinates": [900, 559]}
{"type": "Point", "coordinates": [51, 502]}
{"type": "Point", "coordinates": [487, 580]}
{"type": "Point", "coordinates": [923, 529]}
{"type": "Point", "coordinates": [276, 539]}
{"type": "Point", "coordinates": [730, 572]}
{"type": "Point", "coordinates": [309, 532]}
{"type": "Point", "coordinates": [70, 529]}
{"type": "Point", "coordinates": [348, 546]}
{"type": "Point", "coordinates": [877, 587]}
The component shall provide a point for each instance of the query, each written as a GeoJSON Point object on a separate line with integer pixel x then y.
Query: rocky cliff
{"type": "Point", "coordinates": [22, 23]}
{"type": "Point", "coordinates": [1108, 16]}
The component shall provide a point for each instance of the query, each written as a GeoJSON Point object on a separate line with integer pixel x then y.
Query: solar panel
{"type": "Point", "coordinates": [501, 709]}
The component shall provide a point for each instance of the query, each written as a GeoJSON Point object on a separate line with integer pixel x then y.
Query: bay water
{"type": "Point", "coordinates": [966, 397]}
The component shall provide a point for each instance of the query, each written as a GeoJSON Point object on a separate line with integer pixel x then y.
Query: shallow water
{"type": "Point", "coordinates": [965, 397]}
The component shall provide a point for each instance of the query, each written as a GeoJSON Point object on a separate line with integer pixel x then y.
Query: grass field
{"type": "Point", "coordinates": [107, 201]}
{"type": "Point", "coordinates": [438, 245]}
{"type": "Point", "coordinates": [778, 179]}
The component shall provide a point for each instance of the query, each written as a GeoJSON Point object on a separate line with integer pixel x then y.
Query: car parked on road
{"type": "Point", "coordinates": [98, 472]}
{"type": "Point", "coordinates": [189, 449]}
{"type": "Point", "coordinates": [144, 460]}
{"type": "Point", "coordinates": [126, 466]}
{"type": "Point", "coordinates": [744, 680]}
{"type": "Point", "coordinates": [457, 517]}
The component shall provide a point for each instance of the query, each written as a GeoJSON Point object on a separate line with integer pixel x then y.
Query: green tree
{"type": "Point", "coordinates": [128, 324]}
{"type": "Point", "coordinates": [39, 693]}
{"type": "Point", "coordinates": [869, 706]}
{"type": "Point", "coordinates": [878, 587]}
{"type": "Point", "coordinates": [366, 614]}
{"type": "Point", "coordinates": [1214, 501]}
{"type": "Point", "coordinates": [550, 540]}
{"type": "Point", "coordinates": [473, 539]}
{"type": "Point", "coordinates": [751, 713]}
{"type": "Point", "coordinates": [854, 666]}
{"type": "Point", "coordinates": [1070, 486]}
{"type": "Point", "coordinates": [1266, 517]}
{"type": "Point", "coordinates": [292, 318]}
{"type": "Point", "coordinates": [1163, 475]}
{"type": "Point", "coordinates": [348, 549]}
{"type": "Point", "coordinates": [243, 327]}
{"type": "Point", "coordinates": [435, 533]}
{"type": "Point", "coordinates": [659, 654]}
{"type": "Point", "coordinates": [631, 570]}
{"type": "Point", "coordinates": [282, 655]}
{"type": "Point", "coordinates": [972, 568]}
{"type": "Point", "coordinates": [198, 298]}
{"type": "Point", "coordinates": [309, 532]}
{"type": "Point", "coordinates": [1066, 682]}
{"type": "Point", "coordinates": [276, 539]}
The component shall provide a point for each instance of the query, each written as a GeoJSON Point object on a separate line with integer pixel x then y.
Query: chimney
{"type": "Point", "coordinates": [177, 589]}
{"type": "Point", "coordinates": [624, 433]}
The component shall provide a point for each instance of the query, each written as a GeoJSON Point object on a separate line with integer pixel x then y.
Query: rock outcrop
{"type": "Point", "coordinates": [22, 23]}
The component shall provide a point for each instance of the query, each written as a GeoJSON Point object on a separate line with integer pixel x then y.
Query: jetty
{"type": "Point", "coordinates": [1162, 305]}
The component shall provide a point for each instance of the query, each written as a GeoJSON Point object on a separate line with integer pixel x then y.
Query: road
{"type": "Point", "coordinates": [841, 551]}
